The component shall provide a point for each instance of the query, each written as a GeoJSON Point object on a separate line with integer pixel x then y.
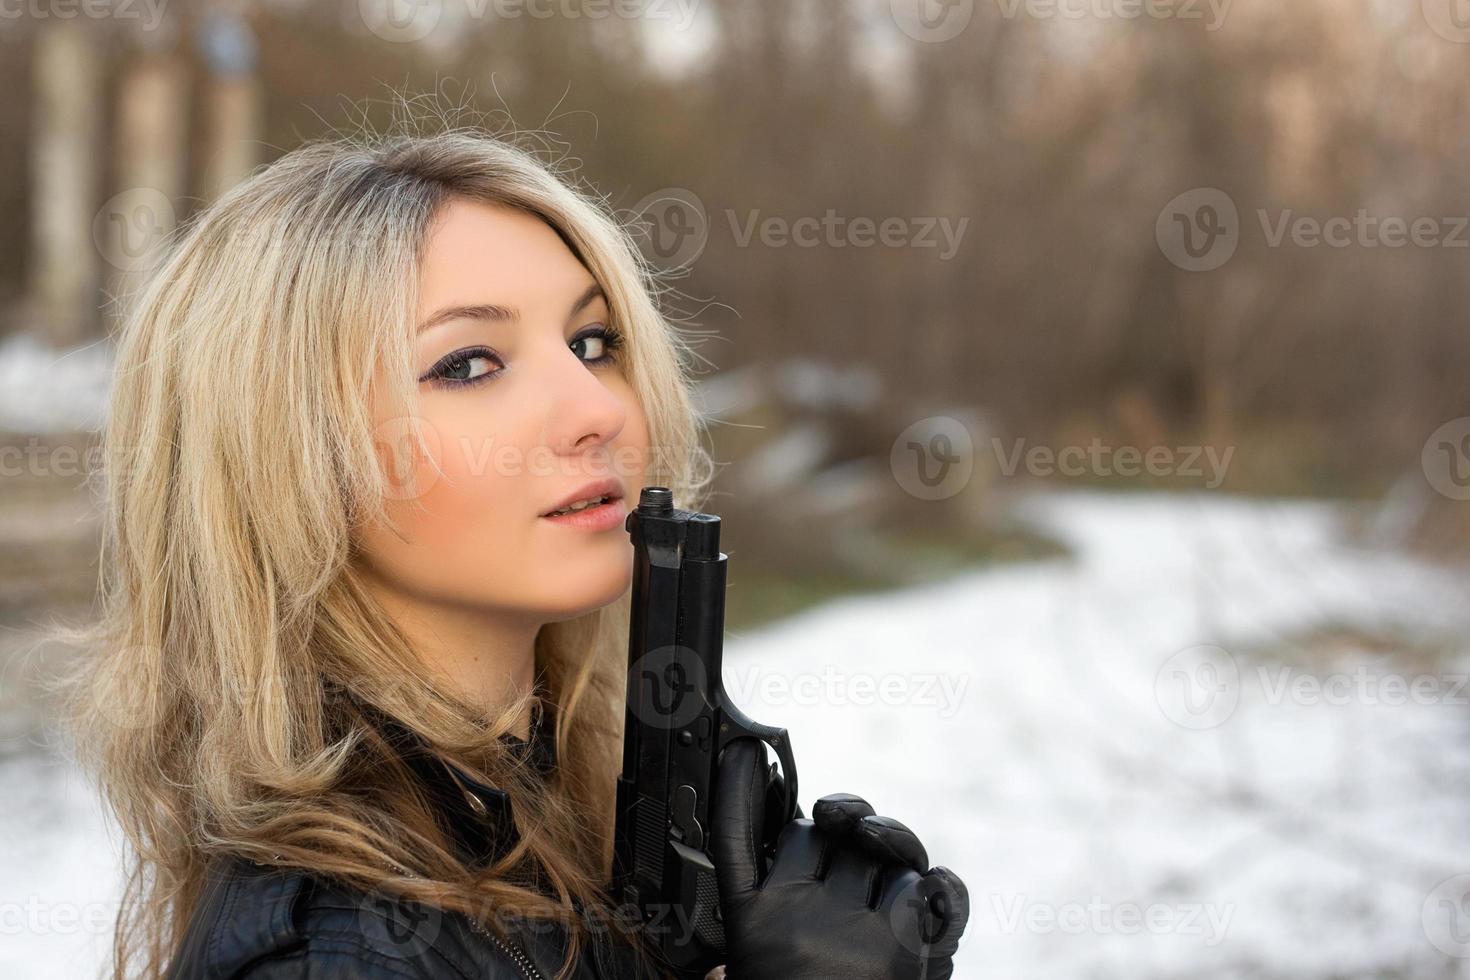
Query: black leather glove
{"type": "Point", "coordinates": [846, 894]}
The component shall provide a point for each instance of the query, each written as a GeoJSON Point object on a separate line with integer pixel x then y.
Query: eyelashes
{"type": "Point", "coordinates": [449, 371]}
{"type": "Point", "coordinates": [611, 339]}
{"type": "Point", "coordinates": [457, 368]}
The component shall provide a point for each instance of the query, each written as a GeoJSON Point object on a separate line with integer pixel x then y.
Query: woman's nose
{"type": "Point", "coordinates": [582, 411]}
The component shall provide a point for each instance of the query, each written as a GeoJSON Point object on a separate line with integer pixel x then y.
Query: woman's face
{"type": "Point", "coordinates": [524, 402]}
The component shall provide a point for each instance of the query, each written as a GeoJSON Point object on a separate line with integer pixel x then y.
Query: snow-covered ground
{"type": "Point", "coordinates": [60, 869]}
{"type": "Point", "coordinates": [1132, 756]}
{"type": "Point", "coordinates": [1127, 790]}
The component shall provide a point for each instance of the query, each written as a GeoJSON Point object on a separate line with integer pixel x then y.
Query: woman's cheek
{"type": "Point", "coordinates": [470, 503]}
{"type": "Point", "coordinates": [468, 546]}
{"type": "Point", "coordinates": [441, 478]}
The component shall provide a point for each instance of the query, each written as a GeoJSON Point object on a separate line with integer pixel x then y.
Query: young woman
{"type": "Point", "coordinates": [358, 697]}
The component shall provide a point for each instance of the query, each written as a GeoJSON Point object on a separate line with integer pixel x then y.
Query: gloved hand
{"type": "Point", "coordinates": [844, 894]}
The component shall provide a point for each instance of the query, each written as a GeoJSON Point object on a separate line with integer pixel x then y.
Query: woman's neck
{"type": "Point", "coordinates": [488, 659]}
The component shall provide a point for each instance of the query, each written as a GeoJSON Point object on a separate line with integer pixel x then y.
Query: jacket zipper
{"type": "Point", "coordinates": [521, 960]}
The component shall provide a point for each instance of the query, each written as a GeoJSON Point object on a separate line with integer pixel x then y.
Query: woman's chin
{"type": "Point", "coordinates": [583, 597]}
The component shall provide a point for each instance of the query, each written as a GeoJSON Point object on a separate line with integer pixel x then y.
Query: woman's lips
{"type": "Point", "coordinates": [605, 487]}
{"type": "Point", "coordinates": [603, 517]}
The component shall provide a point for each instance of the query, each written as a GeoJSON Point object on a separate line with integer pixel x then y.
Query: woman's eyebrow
{"type": "Point", "coordinates": [501, 314]}
{"type": "Point", "coordinates": [588, 295]}
{"type": "Point", "coordinates": [481, 311]}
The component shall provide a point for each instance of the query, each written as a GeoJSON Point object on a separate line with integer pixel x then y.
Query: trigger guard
{"type": "Point", "coordinates": [782, 747]}
{"type": "Point", "coordinates": [737, 725]}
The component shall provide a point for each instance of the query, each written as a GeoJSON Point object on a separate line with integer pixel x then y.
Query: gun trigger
{"type": "Point", "coordinates": [684, 802]}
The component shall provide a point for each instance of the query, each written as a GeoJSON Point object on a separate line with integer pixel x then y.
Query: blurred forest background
{"type": "Point", "coordinates": [1051, 142]}
{"type": "Point", "coordinates": [944, 257]}
{"type": "Point", "coordinates": [1046, 146]}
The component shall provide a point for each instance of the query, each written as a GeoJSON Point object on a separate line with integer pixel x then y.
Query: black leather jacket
{"type": "Point", "coordinates": [260, 923]}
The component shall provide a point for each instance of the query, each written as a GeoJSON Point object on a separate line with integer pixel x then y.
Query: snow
{"type": "Point", "coordinates": [60, 861]}
{"type": "Point", "coordinates": [1294, 813]}
{"type": "Point", "coordinates": [1300, 835]}
{"type": "Point", "coordinates": [46, 390]}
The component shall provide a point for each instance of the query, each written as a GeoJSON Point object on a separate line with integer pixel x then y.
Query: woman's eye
{"type": "Point", "coordinates": [467, 368]}
{"type": "Point", "coordinates": [463, 367]}
{"type": "Point", "coordinates": [476, 364]}
{"type": "Point", "coordinates": [597, 346]}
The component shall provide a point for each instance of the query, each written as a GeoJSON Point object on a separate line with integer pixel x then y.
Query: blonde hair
{"type": "Point", "coordinates": [238, 457]}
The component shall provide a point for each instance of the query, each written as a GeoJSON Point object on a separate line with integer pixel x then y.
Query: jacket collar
{"type": "Point", "coordinates": [476, 815]}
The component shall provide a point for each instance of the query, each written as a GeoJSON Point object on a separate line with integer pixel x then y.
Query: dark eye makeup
{"type": "Point", "coordinates": [457, 368]}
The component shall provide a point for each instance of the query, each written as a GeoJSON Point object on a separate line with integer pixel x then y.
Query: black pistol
{"type": "Point", "coordinates": [678, 720]}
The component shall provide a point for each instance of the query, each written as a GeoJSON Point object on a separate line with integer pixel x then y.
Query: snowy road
{"type": "Point", "coordinates": [1131, 756]}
